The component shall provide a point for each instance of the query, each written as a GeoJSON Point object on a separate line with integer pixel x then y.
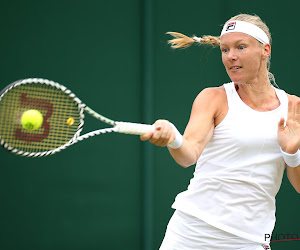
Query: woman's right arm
{"type": "Point", "coordinates": [206, 108]}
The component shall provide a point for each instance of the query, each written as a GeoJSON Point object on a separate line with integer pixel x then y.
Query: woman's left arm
{"type": "Point", "coordinates": [289, 138]}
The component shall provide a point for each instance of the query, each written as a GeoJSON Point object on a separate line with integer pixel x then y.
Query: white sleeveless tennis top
{"type": "Point", "coordinates": [239, 172]}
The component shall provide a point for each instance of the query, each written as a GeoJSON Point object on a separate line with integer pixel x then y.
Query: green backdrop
{"type": "Point", "coordinates": [113, 191]}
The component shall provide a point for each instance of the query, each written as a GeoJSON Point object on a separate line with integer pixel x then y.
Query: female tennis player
{"type": "Point", "coordinates": [242, 136]}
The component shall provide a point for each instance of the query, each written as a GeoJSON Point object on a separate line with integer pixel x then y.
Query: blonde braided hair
{"type": "Point", "coordinates": [183, 41]}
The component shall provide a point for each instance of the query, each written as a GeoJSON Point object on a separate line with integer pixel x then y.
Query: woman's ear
{"type": "Point", "coordinates": [266, 50]}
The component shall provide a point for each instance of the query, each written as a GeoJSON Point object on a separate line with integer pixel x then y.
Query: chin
{"type": "Point", "coordinates": [236, 79]}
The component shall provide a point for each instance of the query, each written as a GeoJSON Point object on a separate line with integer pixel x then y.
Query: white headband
{"type": "Point", "coordinates": [247, 28]}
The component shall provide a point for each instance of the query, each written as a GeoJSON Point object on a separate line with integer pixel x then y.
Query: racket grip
{"type": "Point", "coordinates": [133, 128]}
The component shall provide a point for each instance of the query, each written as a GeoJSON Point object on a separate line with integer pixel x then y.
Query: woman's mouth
{"type": "Point", "coordinates": [235, 67]}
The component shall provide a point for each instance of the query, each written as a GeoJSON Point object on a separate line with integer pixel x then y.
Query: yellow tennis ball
{"type": "Point", "coordinates": [70, 121]}
{"type": "Point", "coordinates": [32, 119]}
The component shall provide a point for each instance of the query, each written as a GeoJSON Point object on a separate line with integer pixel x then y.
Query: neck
{"type": "Point", "coordinates": [260, 89]}
{"type": "Point", "coordinates": [258, 86]}
{"type": "Point", "coordinates": [257, 96]}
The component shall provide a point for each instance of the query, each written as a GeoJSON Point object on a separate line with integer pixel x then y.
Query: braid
{"type": "Point", "coordinates": [212, 40]}
{"type": "Point", "coordinates": [183, 41]}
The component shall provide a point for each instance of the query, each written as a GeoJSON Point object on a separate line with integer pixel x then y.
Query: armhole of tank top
{"type": "Point", "coordinates": [228, 90]}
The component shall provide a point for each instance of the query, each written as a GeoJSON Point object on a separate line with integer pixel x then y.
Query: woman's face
{"type": "Point", "coordinates": [243, 56]}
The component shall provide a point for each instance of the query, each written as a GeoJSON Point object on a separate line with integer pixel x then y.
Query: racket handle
{"type": "Point", "coordinates": [133, 128]}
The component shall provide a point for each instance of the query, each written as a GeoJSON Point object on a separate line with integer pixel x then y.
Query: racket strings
{"type": "Point", "coordinates": [59, 110]}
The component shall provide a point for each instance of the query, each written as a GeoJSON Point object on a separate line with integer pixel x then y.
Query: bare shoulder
{"type": "Point", "coordinates": [293, 98]}
{"type": "Point", "coordinates": [211, 97]}
{"type": "Point", "coordinates": [211, 102]}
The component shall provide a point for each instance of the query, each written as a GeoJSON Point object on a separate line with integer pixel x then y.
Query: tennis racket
{"type": "Point", "coordinates": [63, 118]}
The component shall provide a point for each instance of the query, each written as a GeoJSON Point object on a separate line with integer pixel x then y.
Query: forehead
{"type": "Point", "coordinates": [234, 37]}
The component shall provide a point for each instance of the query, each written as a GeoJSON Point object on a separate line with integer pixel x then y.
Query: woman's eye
{"type": "Point", "coordinates": [241, 47]}
{"type": "Point", "coordinates": [224, 50]}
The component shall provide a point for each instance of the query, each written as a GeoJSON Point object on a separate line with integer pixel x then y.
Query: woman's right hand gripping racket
{"type": "Point", "coordinates": [62, 118]}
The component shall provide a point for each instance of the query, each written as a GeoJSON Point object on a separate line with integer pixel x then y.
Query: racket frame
{"type": "Point", "coordinates": [120, 127]}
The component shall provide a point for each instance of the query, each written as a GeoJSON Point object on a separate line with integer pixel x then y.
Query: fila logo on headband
{"type": "Point", "coordinates": [231, 26]}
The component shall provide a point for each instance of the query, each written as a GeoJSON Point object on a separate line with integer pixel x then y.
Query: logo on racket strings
{"type": "Point", "coordinates": [32, 103]}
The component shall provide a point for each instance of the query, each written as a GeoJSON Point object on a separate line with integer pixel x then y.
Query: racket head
{"type": "Point", "coordinates": [63, 117]}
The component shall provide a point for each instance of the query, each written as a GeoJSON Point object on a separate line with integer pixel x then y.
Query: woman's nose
{"type": "Point", "coordinates": [232, 55]}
